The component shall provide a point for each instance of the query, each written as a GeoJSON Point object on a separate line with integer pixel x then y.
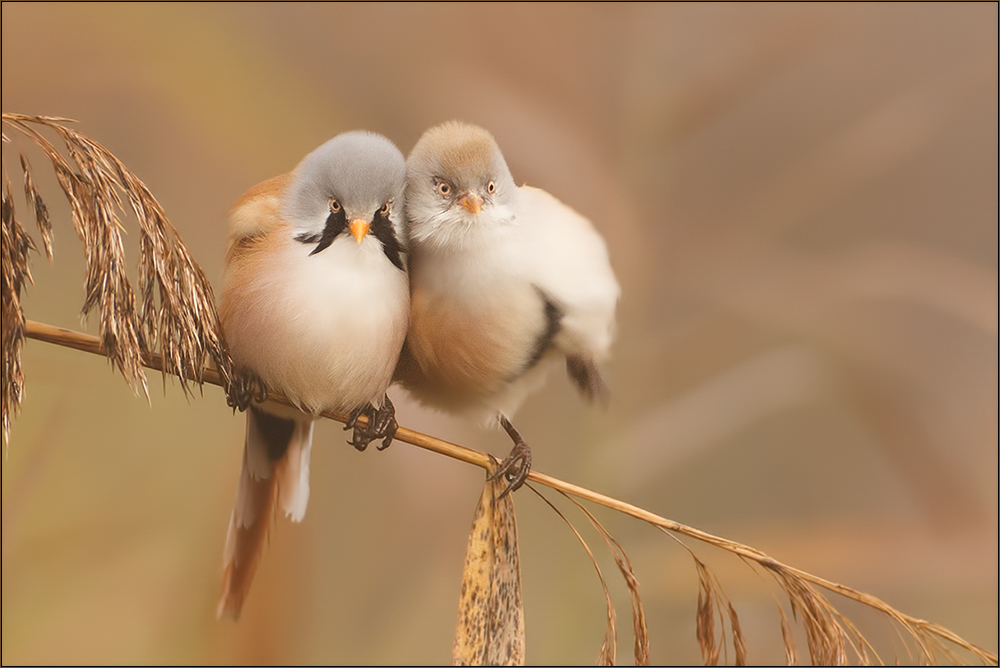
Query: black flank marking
{"type": "Point", "coordinates": [384, 232]}
{"type": "Point", "coordinates": [336, 223]}
{"type": "Point", "coordinates": [553, 316]}
{"type": "Point", "coordinates": [277, 432]}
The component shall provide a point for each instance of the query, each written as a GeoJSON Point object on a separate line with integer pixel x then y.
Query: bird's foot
{"type": "Point", "coordinates": [246, 388]}
{"type": "Point", "coordinates": [381, 425]}
{"type": "Point", "coordinates": [518, 463]}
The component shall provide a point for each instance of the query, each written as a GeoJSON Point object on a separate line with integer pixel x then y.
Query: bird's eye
{"type": "Point", "coordinates": [334, 206]}
{"type": "Point", "coordinates": [491, 187]}
{"type": "Point", "coordinates": [384, 210]}
{"type": "Point", "coordinates": [444, 188]}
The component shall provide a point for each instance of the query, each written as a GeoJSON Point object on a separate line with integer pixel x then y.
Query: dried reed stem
{"type": "Point", "coordinates": [796, 582]}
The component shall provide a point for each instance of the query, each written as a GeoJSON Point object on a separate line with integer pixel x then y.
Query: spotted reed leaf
{"type": "Point", "coordinates": [490, 628]}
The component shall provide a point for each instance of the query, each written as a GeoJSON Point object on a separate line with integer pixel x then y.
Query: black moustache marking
{"type": "Point", "coordinates": [336, 223]}
{"type": "Point", "coordinates": [384, 232]}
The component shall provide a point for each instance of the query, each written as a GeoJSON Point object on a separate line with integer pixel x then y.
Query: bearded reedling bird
{"type": "Point", "coordinates": [505, 282]}
{"type": "Point", "coordinates": [315, 305]}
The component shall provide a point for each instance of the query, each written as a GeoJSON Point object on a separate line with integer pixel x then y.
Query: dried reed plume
{"type": "Point", "coordinates": [14, 248]}
{"type": "Point", "coordinates": [832, 638]}
{"type": "Point", "coordinates": [176, 311]}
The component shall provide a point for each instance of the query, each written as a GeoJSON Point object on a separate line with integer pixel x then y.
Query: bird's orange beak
{"type": "Point", "coordinates": [359, 228]}
{"type": "Point", "coordinates": [471, 202]}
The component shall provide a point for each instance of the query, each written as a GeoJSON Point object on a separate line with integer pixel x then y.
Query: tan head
{"type": "Point", "coordinates": [458, 185]}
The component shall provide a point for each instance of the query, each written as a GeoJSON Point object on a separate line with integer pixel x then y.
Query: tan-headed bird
{"type": "Point", "coordinates": [505, 282]}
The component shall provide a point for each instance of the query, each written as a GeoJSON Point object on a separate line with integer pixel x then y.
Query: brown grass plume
{"type": "Point", "coordinates": [174, 313]}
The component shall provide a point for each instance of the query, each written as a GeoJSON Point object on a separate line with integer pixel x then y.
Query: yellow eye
{"type": "Point", "coordinates": [491, 187]}
{"type": "Point", "coordinates": [384, 210]}
{"type": "Point", "coordinates": [334, 206]}
{"type": "Point", "coordinates": [444, 188]}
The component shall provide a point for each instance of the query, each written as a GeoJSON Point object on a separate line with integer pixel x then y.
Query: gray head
{"type": "Point", "coordinates": [458, 185]}
{"type": "Point", "coordinates": [356, 176]}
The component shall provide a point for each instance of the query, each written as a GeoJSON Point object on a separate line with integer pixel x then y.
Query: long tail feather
{"type": "Point", "coordinates": [275, 472]}
{"type": "Point", "coordinates": [292, 473]}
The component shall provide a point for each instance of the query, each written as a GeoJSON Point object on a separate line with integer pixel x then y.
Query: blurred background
{"type": "Point", "coordinates": [800, 202]}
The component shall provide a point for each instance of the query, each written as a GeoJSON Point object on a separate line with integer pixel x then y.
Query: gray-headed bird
{"type": "Point", "coordinates": [315, 305]}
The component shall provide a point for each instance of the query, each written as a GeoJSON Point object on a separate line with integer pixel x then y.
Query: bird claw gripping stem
{"type": "Point", "coordinates": [246, 388]}
{"type": "Point", "coordinates": [516, 466]}
{"type": "Point", "coordinates": [381, 425]}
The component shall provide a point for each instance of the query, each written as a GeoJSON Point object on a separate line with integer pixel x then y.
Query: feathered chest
{"type": "Point", "coordinates": [473, 328]}
{"type": "Point", "coordinates": [313, 325]}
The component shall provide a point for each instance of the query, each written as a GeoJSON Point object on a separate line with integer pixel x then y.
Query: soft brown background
{"type": "Point", "coordinates": [800, 202]}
